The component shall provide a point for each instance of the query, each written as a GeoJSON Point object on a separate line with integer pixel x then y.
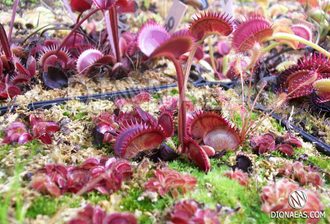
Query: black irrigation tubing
{"type": "Point", "coordinates": [125, 93]}
{"type": "Point", "coordinates": [109, 95]}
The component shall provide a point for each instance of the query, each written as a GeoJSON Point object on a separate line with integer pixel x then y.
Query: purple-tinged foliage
{"type": "Point", "coordinates": [17, 131]}
{"type": "Point", "coordinates": [136, 131]}
{"type": "Point", "coordinates": [303, 174]}
{"type": "Point", "coordinates": [167, 180]}
{"type": "Point", "coordinates": [41, 130]}
{"type": "Point", "coordinates": [95, 215]}
{"type": "Point", "coordinates": [190, 211]}
{"type": "Point", "coordinates": [267, 142]}
{"type": "Point", "coordinates": [239, 175]}
{"type": "Point", "coordinates": [57, 180]}
{"type": "Point", "coordinates": [12, 73]}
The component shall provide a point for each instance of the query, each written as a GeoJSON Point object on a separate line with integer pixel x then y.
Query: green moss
{"type": "Point", "coordinates": [156, 96]}
{"type": "Point", "coordinates": [237, 119]}
{"type": "Point", "coordinates": [228, 154]}
{"type": "Point", "coordinates": [46, 205]}
{"type": "Point", "coordinates": [3, 134]}
{"type": "Point", "coordinates": [175, 139]}
{"type": "Point", "coordinates": [174, 92]}
{"type": "Point", "coordinates": [215, 103]}
{"type": "Point", "coordinates": [254, 116]}
{"type": "Point", "coordinates": [300, 150]}
{"type": "Point", "coordinates": [192, 98]}
{"type": "Point", "coordinates": [80, 116]}
{"type": "Point", "coordinates": [320, 161]}
{"type": "Point", "coordinates": [276, 125]}
{"type": "Point", "coordinates": [34, 146]}
{"type": "Point", "coordinates": [277, 153]}
{"type": "Point", "coordinates": [9, 2]}
{"type": "Point", "coordinates": [4, 150]}
{"type": "Point", "coordinates": [96, 196]}
{"type": "Point", "coordinates": [130, 203]}
{"type": "Point", "coordinates": [107, 146]}
{"type": "Point", "coordinates": [5, 199]}
{"type": "Point", "coordinates": [224, 191]}
{"type": "Point", "coordinates": [67, 114]}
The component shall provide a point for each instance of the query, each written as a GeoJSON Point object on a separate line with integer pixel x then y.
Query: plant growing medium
{"type": "Point", "coordinates": [183, 154]}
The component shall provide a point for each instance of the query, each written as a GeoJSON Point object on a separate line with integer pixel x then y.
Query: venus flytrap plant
{"type": "Point", "coordinates": [12, 72]}
{"type": "Point", "coordinates": [209, 127]}
{"type": "Point", "coordinates": [41, 129]}
{"type": "Point", "coordinates": [108, 8]}
{"type": "Point", "coordinates": [256, 29]}
{"type": "Point", "coordinates": [96, 215]}
{"type": "Point", "coordinates": [203, 26]}
{"type": "Point", "coordinates": [154, 41]}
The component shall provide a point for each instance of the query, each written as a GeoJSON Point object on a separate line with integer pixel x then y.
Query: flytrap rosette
{"type": "Point", "coordinates": [56, 180]}
{"type": "Point", "coordinates": [238, 175]}
{"type": "Point", "coordinates": [191, 211]}
{"type": "Point", "coordinates": [96, 215]}
{"type": "Point", "coordinates": [167, 180]}
{"type": "Point", "coordinates": [7, 89]}
{"type": "Point", "coordinates": [41, 130]}
{"type": "Point", "coordinates": [274, 198]}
